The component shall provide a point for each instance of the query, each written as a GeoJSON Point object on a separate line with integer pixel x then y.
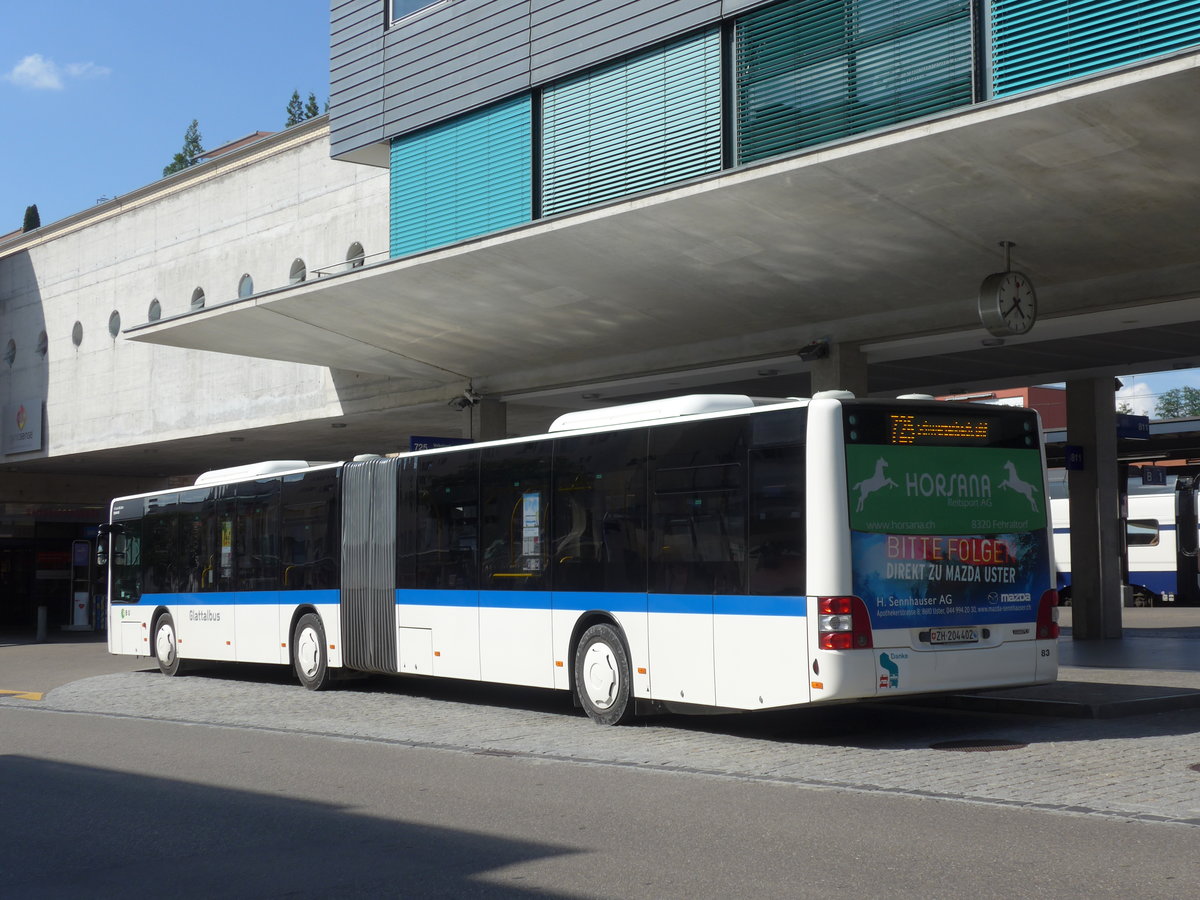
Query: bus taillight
{"type": "Point", "coordinates": [1047, 617]}
{"type": "Point", "coordinates": [843, 624]}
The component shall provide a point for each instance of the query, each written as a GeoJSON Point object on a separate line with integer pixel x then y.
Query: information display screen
{"type": "Point", "coordinates": [867, 423]}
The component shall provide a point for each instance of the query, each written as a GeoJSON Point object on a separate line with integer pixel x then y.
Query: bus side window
{"type": "Point", "coordinates": [599, 509]}
{"type": "Point", "coordinates": [698, 512]}
{"type": "Point", "coordinates": [515, 507]}
{"type": "Point", "coordinates": [448, 521]}
{"type": "Point", "coordinates": [777, 523]}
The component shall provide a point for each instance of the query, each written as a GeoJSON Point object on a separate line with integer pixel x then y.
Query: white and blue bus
{"type": "Point", "coordinates": [698, 553]}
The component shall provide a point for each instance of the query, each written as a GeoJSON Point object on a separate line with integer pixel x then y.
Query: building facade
{"type": "Point", "coordinates": [492, 114]}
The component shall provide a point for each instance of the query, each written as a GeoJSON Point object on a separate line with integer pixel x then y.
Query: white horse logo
{"type": "Point", "coordinates": [1014, 483]}
{"type": "Point", "coordinates": [876, 482]}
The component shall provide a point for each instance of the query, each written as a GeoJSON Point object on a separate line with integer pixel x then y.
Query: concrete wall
{"type": "Point", "coordinates": [254, 211]}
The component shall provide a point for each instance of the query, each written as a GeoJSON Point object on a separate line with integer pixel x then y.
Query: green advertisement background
{"type": "Point", "coordinates": [944, 490]}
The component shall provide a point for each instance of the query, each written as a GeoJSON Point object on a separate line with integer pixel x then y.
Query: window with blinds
{"type": "Point", "coordinates": [645, 122]}
{"type": "Point", "coordinates": [1040, 42]}
{"type": "Point", "coordinates": [810, 71]}
{"type": "Point", "coordinates": [462, 178]}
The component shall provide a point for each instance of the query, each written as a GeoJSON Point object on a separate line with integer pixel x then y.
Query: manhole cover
{"type": "Point", "coordinates": [981, 745]}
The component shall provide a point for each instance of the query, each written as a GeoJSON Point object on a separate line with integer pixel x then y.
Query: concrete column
{"type": "Point", "coordinates": [493, 420]}
{"type": "Point", "coordinates": [1096, 545]}
{"type": "Point", "coordinates": [844, 369]}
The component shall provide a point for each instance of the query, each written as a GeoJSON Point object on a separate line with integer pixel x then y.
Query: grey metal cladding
{"type": "Point", "coordinates": [568, 36]}
{"type": "Point", "coordinates": [454, 57]}
{"type": "Point", "coordinates": [355, 74]}
{"type": "Point", "coordinates": [368, 607]}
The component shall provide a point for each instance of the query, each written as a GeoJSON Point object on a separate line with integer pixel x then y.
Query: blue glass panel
{"type": "Point", "coordinates": [462, 178]}
{"type": "Point", "coordinates": [1040, 42]}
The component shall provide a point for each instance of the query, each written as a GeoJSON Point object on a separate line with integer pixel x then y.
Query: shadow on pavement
{"type": "Point", "coordinates": [91, 832]}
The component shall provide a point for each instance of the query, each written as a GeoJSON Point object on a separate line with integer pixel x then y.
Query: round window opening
{"type": "Point", "coordinates": [77, 334]}
{"type": "Point", "coordinates": [298, 272]}
{"type": "Point", "coordinates": [198, 298]}
{"type": "Point", "coordinates": [355, 256]}
{"type": "Point", "coordinates": [114, 324]}
{"type": "Point", "coordinates": [245, 286]}
{"type": "Point", "coordinates": [154, 313]}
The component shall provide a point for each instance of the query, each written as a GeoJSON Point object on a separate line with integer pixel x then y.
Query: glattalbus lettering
{"type": "Point", "coordinates": [203, 615]}
{"type": "Point", "coordinates": [956, 486]}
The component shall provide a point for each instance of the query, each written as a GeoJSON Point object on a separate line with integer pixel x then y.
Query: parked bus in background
{"type": "Point", "coordinates": [703, 552]}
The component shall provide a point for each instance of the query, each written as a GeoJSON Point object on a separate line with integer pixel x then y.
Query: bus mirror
{"type": "Point", "coordinates": [101, 554]}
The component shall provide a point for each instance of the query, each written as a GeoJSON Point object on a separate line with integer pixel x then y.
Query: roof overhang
{"type": "Point", "coordinates": [881, 241]}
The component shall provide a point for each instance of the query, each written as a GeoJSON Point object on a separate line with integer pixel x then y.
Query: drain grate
{"type": "Point", "coordinates": [980, 745]}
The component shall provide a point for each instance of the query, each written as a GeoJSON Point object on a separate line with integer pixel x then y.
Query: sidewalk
{"type": "Point", "coordinates": [1154, 667]}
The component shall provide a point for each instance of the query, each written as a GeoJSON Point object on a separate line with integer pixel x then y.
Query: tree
{"type": "Point", "coordinates": [32, 218]}
{"type": "Point", "coordinates": [192, 148]}
{"type": "Point", "coordinates": [1125, 408]}
{"type": "Point", "coordinates": [1178, 403]}
{"type": "Point", "coordinates": [311, 109]}
{"type": "Point", "coordinates": [295, 111]}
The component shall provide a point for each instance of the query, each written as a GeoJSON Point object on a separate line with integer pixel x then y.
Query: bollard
{"type": "Point", "coordinates": [41, 625]}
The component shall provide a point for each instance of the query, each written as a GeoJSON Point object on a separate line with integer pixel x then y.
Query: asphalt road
{"type": "Point", "coordinates": [107, 806]}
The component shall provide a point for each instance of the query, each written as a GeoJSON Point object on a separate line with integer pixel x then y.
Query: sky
{"type": "Point", "coordinates": [95, 97]}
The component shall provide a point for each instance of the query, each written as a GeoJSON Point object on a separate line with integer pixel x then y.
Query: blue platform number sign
{"type": "Point", "coordinates": [424, 442]}
{"type": "Point", "coordinates": [1133, 427]}
{"type": "Point", "coordinates": [1073, 461]}
{"type": "Point", "coordinates": [1154, 475]}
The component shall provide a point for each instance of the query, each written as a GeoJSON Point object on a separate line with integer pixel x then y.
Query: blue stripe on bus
{"type": "Point", "coordinates": [695, 604]}
{"type": "Point", "coordinates": [243, 598]}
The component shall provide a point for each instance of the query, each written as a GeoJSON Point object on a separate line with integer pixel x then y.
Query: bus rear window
{"type": "Point", "coordinates": [944, 425]}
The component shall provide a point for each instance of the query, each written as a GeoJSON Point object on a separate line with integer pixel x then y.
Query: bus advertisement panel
{"type": "Point", "coordinates": [947, 536]}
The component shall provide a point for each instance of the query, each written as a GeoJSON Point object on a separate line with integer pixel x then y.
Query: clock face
{"type": "Point", "coordinates": [1007, 303]}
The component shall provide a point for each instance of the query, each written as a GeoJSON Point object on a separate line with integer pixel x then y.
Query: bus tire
{"type": "Point", "coordinates": [309, 654]}
{"type": "Point", "coordinates": [166, 645]}
{"type": "Point", "coordinates": [602, 676]}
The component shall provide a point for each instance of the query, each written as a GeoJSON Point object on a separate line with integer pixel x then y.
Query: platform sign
{"type": "Point", "coordinates": [1073, 458]}
{"type": "Point", "coordinates": [422, 442]}
{"type": "Point", "coordinates": [1133, 427]}
{"type": "Point", "coordinates": [1154, 475]}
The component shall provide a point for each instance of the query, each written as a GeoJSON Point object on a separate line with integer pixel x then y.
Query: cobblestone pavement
{"type": "Point", "coordinates": [1137, 767]}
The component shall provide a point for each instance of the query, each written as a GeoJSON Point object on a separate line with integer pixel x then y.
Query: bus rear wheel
{"type": "Point", "coordinates": [165, 645]}
{"type": "Point", "coordinates": [309, 655]}
{"type": "Point", "coordinates": [602, 676]}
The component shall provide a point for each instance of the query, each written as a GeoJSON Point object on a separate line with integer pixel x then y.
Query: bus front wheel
{"type": "Point", "coordinates": [602, 676]}
{"type": "Point", "coordinates": [309, 654]}
{"type": "Point", "coordinates": [165, 645]}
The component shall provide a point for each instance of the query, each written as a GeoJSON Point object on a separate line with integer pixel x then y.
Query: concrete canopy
{"type": "Point", "coordinates": [879, 241]}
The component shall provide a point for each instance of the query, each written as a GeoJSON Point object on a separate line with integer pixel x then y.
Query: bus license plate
{"type": "Point", "coordinates": [954, 635]}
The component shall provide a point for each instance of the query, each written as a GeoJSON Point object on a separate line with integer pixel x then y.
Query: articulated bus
{"type": "Point", "coordinates": [711, 552]}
